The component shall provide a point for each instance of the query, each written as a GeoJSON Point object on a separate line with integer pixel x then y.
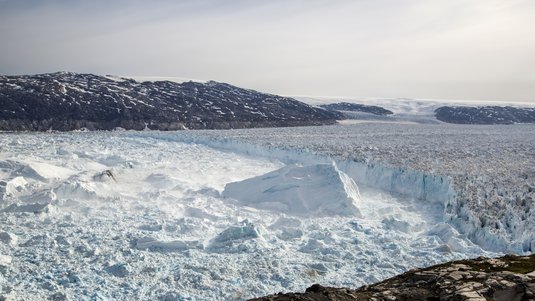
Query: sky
{"type": "Point", "coordinates": [430, 49]}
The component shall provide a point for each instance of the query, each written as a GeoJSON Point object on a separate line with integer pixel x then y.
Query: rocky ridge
{"type": "Point", "coordinates": [346, 108]}
{"type": "Point", "coordinates": [67, 101]}
{"type": "Point", "coordinates": [506, 278]}
{"type": "Point", "coordinates": [485, 115]}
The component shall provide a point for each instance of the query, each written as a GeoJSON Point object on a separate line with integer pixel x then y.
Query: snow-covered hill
{"type": "Point", "coordinates": [71, 101]}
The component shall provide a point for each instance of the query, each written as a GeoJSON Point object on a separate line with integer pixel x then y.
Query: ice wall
{"type": "Point", "coordinates": [491, 219]}
{"type": "Point", "coordinates": [408, 182]}
{"type": "Point", "coordinates": [494, 215]}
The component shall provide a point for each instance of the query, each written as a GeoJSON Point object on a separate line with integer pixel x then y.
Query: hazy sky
{"type": "Point", "coordinates": [441, 49]}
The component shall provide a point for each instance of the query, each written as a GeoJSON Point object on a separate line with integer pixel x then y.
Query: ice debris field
{"type": "Point", "coordinates": [149, 216]}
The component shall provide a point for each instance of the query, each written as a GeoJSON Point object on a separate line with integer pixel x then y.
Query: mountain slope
{"type": "Point", "coordinates": [70, 101]}
{"type": "Point", "coordinates": [355, 107]}
{"type": "Point", "coordinates": [485, 115]}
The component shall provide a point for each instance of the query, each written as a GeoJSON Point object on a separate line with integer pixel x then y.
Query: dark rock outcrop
{"type": "Point", "coordinates": [66, 101]}
{"type": "Point", "coordinates": [485, 115]}
{"type": "Point", "coordinates": [509, 278]}
{"type": "Point", "coordinates": [354, 107]}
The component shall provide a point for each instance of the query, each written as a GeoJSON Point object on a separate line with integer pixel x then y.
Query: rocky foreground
{"type": "Point", "coordinates": [502, 279]}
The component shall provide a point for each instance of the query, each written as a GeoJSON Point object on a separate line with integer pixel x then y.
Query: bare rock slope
{"type": "Point", "coordinates": [485, 115]}
{"type": "Point", "coordinates": [70, 101]}
{"type": "Point", "coordinates": [346, 108]}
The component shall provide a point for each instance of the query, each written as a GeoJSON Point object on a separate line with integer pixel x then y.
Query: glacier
{"type": "Point", "coordinates": [461, 195]}
{"type": "Point", "coordinates": [169, 225]}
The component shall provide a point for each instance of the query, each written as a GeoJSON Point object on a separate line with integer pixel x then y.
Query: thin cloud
{"type": "Point", "coordinates": [462, 49]}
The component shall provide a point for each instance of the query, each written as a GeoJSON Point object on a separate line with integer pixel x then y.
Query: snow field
{"type": "Point", "coordinates": [122, 216]}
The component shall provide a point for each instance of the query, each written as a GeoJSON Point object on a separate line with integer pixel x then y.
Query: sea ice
{"type": "Point", "coordinates": [45, 171]}
{"type": "Point", "coordinates": [152, 244]}
{"type": "Point", "coordinates": [242, 237]}
{"type": "Point", "coordinates": [8, 238]}
{"type": "Point", "coordinates": [5, 260]}
{"type": "Point", "coordinates": [33, 208]}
